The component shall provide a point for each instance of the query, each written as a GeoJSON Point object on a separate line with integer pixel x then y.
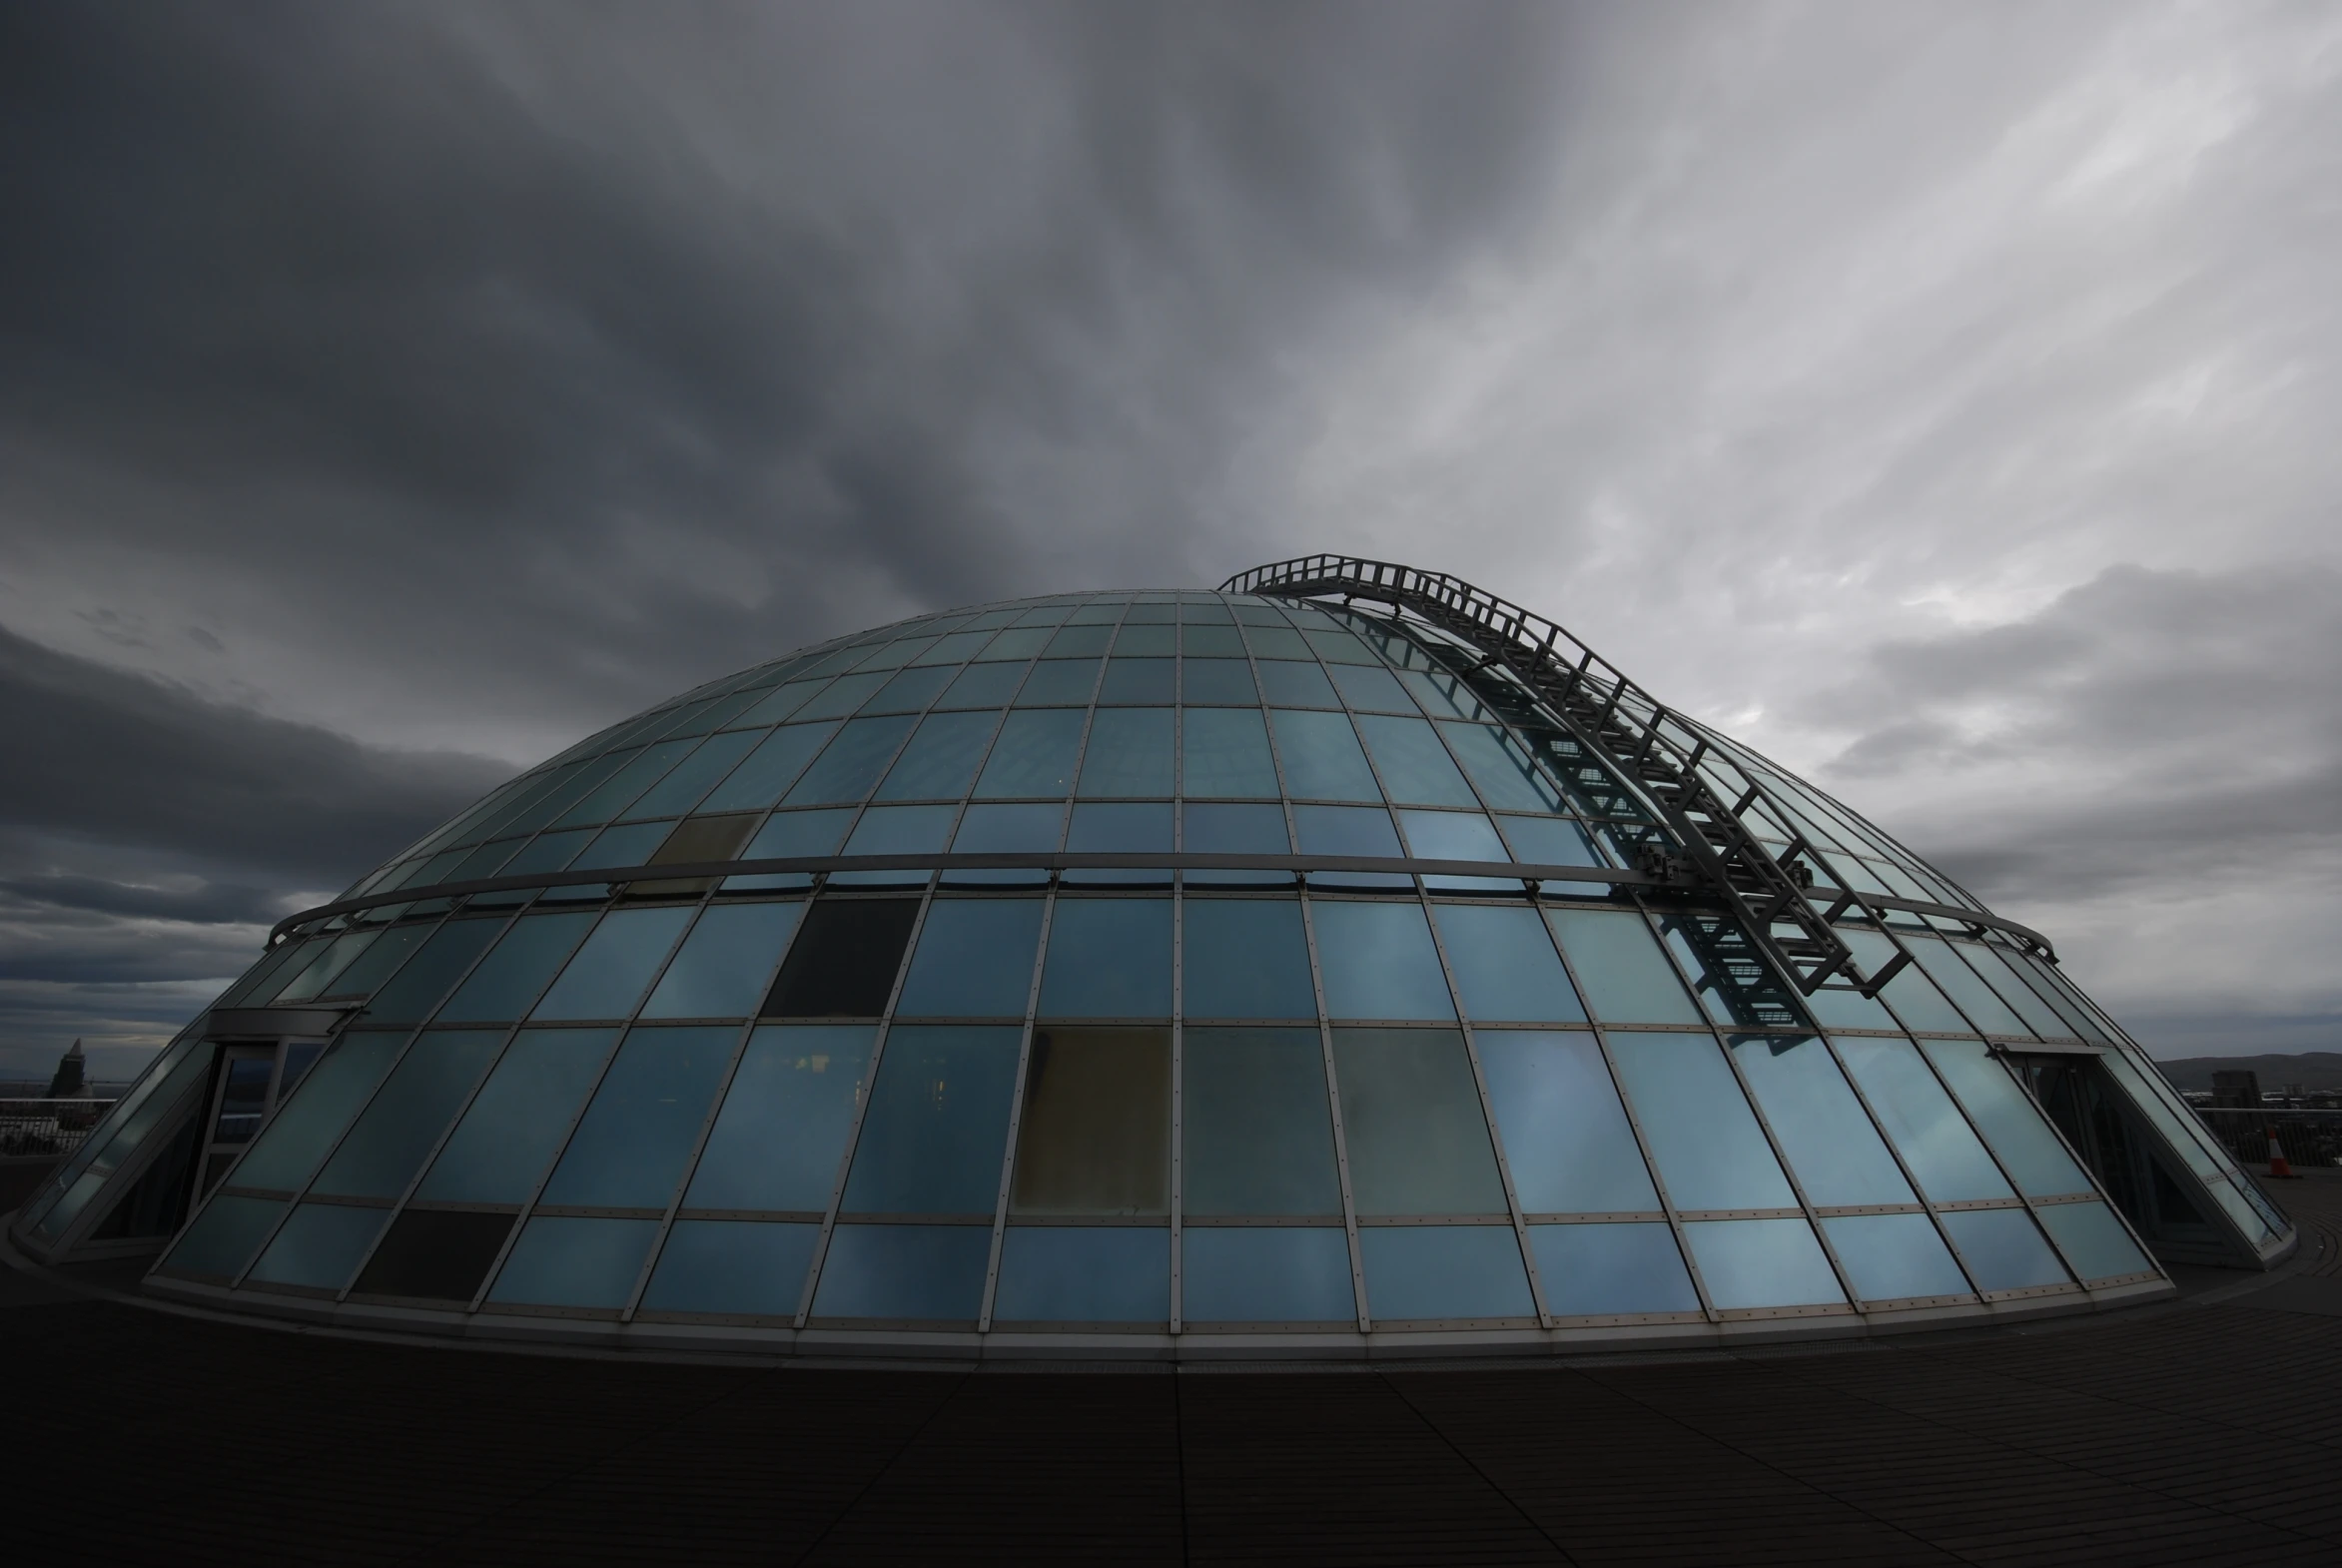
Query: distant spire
{"type": "Point", "coordinates": [69, 1083]}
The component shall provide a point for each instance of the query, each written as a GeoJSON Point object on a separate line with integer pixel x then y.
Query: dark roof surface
{"type": "Point", "coordinates": [2197, 1432]}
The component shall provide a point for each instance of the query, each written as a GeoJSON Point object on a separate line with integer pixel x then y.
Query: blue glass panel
{"type": "Point", "coordinates": [1916, 1001]}
{"type": "Point", "coordinates": [771, 768]}
{"type": "Point", "coordinates": [2008, 1118]}
{"type": "Point", "coordinates": [1274, 639]}
{"type": "Point", "coordinates": [1415, 767]}
{"type": "Point", "coordinates": [606, 802]}
{"type": "Point", "coordinates": [940, 762]}
{"type": "Point", "coordinates": [1504, 965]}
{"type": "Point", "coordinates": [1059, 683]}
{"type": "Point", "coordinates": [902, 829]}
{"type": "Point", "coordinates": [1454, 834]}
{"type": "Point", "coordinates": [787, 834]}
{"type": "Point", "coordinates": [1371, 690]}
{"type": "Point", "coordinates": [1762, 1262]}
{"type": "Point", "coordinates": [851, 763]}
{"type": "Point", "coordinates": [910, 691]}
{"type": "Point", "coordinates": [1223, 682]}
{"type": "Point", "coordinates": [975, 959]}
{"type": "Point", "coordinates": [1079, 641]}
{"type": "Point", "coordinates": [1121, 825]}
{"type": "Point", "coordinates": [1108, 958]}
{"type": "Point", "coordinates": [1986, 1013]}
{"type": "Point", "coordinates": [680, 790]}
{"type": "Point", "coordinates": [724, 966]}
{"type": "Point", "coordinates": [2094, 1240]}
{"type": "Point", "coordinates": [1130, 753]}
{"type": "Point", "coordinates": [304, 1130]}
{"type": "Point", "coordinates": [1034, 755]}
{"type": "Point", "coordinates": [1276, 1274]}
{"type": "Point", "coordinates": [631, 1147]}
{"type": "Point", "coordinates": [508, 980]}
{"type": "Point", "coordinates": [1007, 830]}
{"type": "Point", "coordinates": [1626, 975]}
{"type": "Point", "coordinates": [1376, 960]}
{"type": "Point", "coordinates": [610, 972]}
{"type": "Point", "coordinates": [1247, 958]}
{"type": "Point", "coordinates": [1818, 1124]}
{"type": "Point", "coordinates": [984, 686]}
{"type": "Point", "coordinates": [781, 702]}
{"type": "Point", "coordinates": [843, 695]}
{"type": "Point", "coordinates": [546, 852]}
{"type": "Point", "coordinates": [1339, 647]}
{"type": "Point", "coordinates": [224, 1236]}
{"type": "Point", "coordinates": [1257, 1136]}
{"type": "Point", "coordinates": [1322, 758]}
{"type": "Point", "coordinates": [1433, 1272]}
{"type": "Point", "coordinates": [1020, 642]}
{"type": "Point", "coordinates": [320, 1245]}
{"type": "Point", "coordinates": [2002, 1248]}
{"type": "Point", "coordinates": [1835, 1008]}
{"type": "Point", "coordinates": [743, 1267]}
{"type": "Point", "coordinates": [520, 1117]}
{"type": "Point", "coordinates": [1136, 682]}
{"type": "Point", "coordinates": [1146, 641]}
{"type": "Point", "coordinates": [932, 1141]}
{"type": "Point", "coordinates": [1443, 694]}
{"type": "Point", "coordinates": [1080, 1273]}
{"type": "Point", "coordinates": [1211, 642]}
{"type": "Point", "coordinates": [1565, 1135]}
{"type": "Point", "coordinates": [417, 989]}
{"type": "Point", "coordinates": [1500, 765]}
{"type": "Point", "coordinates": [1891, 1258]}
{"type": "Point", "coordinates": [1292, 686]}
{"type": "Point", "coordinates": [312, 976]}
{"type": "Point", "coordinates": [1346, 830]}
{"type": "Point", "coordinates": [778, 1140]}
{"type": "Point", "coordinates": [1236, 830]}
{"type": "Point", "coordinates": [1929, 1132]}
{"type": "Point", "coordinates": [1549, 841]}
{"type": "Point", "coordinates": [627, 846]}
{"type": "Point", "coordinates": [919, 1272]}
{"type": "Point", "coordinates": [1610, 1271]}
{"type": "Point", "coordinates": [1411, 1124]}
{"type": "Point", "coordinates": [561, 1261]}
{"type": "Point", "coordinates": [956, 648]}
{"type": "Point", "coordinates": [1224, 752]}
{"type": "Point", "coordinates": [1698, 1126]}
{"type": "Point", "coordinates": [412, 1109]}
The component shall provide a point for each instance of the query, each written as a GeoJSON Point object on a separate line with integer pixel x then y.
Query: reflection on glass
{"type": "Point", "coordinates": [1412, 1121]}
{"type": "Point", "coordinates": [1089, 1274]}
{"type": "Point", "coordinates": [1034, 755]}
{"type": "Point", "coordinates": [1258, 1137]}
{"type": "Point", "coordinates": [2010, 1119]}
{"type": "Point", "coordinates": [940, 761]}
{"type": "Point", "coordinates": [292, 1145]}
{"type": "Point", "coordinates": [224, 1236]}
{"type": "Point", "coordinates": [1371, 690]}
{"type": "Point", "coordinates": [1550, 841]}
{"type": "Point", "coordinates": [1058, 683]}
{"type": "Point", "coordinates": [1224, 752]}
{"type": "Point", "coordinates": [320, 1245]}
{"type": "Point", "coordinates": [1137, 683]}
{"type": "Point", "coordinates": [1762, 1262]}
{"type": "Point", "coordinates": [852, 762]}
{"type": "Point", "coordinates": [1010, 830]}
{"type": "Point", "coordinates": [1565, 1135]}
{"type": "Point", "coordinates": [1276, 1274]}
{"type": "Point", "coordinates": [776, 1143]}
{"type": "Point", "coordinates": [1377, 960]}
{"type": "Point", "coordinates": [1821, 1126]}
{"type": "Point", "coordinates": [932, 1138]}
{"type": "Point", "coordinates": [722, 967]}
{"type": "Point", "coordinates": [407, 1114]}
{"type": "Point", "coordinates": [1711, 1152]}
{"type": "Point", "coordinates": [1502, 766]}
{"type": "Point", "coordinates": [564, 1262]}
{"type": "Point", "coordinates": [1321, 759]}
{"type": "Point", "coordinates": [630, 1148]}
{"type": "Point", "coordinates": [914, 1273]}
{"type": "Point", "coordinates": [975, 959]}
{"type": "Point", "coordinates": [1928, 1129]}
{"type": "Point", "coordinates": [1245, 958]}
{"type": "Point", "coordinates": [1504, 964]}
{"type": "Point", "coordinates": [771, 768]}
{"type": "Point", "coordinates": [1627, 978]}
{"type": "Point", "coordinates": [1416, 769]}
{"type": "Point", "coordinates": [1611, 1270]}
{"type": "Point", "coordinates": [2002, 1249]}
{"type": "Point", "coordinates": [1108, 958]}
{"type": "Point", "coordinates": [1219, 682]}
{"type": "Point", "coordinates": [1426, 1273]}
{"type": "Point", "coordinates": [1453, 835]}
{"type": "Point", "coordinates": [520, 1118]}
{"type": "Point", "coordinates": [610, 972]}
{"type": "Point", "coordinates": [1919, 1005]}
{"type": "Point", "coordinates": [417, 989]}
{"type": "Point", "coordinates": [1288, 684]}
{"type": "Point", "coordinates": [2093, 1240]}
{"type": "Point", "coordinates": [746, 1268]}
{"type": "Point", "coordinates": [244, 1099]}
{"type": "Point", "coordinates": [1095, 1138]}
{"type": "Point", "coordinates": [1891, 1258]}
{"type": "Point", "coordinates": [1130, 753]}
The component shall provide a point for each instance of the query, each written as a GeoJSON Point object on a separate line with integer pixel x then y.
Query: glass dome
{"type": "Point", "coordinates": [1168, 973]}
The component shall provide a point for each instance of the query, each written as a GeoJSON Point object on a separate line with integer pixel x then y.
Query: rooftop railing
{"type": "Point", "coordinates": [35, 1128]}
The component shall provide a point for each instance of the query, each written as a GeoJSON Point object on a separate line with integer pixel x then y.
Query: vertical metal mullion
{"type": "Point", "coordinates": [1341, 1147]}
{"type": "Point", "coordinates": [886, 1024]}
{"type": "Point", "coordinates": [537, 1189]}
{"type": "Point", "coordinates": [1178, 1099]}
{"type": "Point", "coordinates": [999, 1205]}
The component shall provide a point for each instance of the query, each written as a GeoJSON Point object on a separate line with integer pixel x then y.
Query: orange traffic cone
{"type": "Point", "coordinates": [2279, 1166]}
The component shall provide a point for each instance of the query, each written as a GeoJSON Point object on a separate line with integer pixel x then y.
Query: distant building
{"type": "Point", "coordinates": [2239, 1089]}
{"type": "Point", "coordinates": [68, 1081]}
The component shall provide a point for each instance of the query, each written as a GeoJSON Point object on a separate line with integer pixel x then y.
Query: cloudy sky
{"type": "Point", "coordinates": [1940, 396]}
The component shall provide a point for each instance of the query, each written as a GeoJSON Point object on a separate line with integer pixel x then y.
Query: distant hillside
{"type": "Point", "coordinates": [2311, 1070]}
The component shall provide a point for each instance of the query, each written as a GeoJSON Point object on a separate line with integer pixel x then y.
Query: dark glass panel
{"type": "Point", "coordinates": [1838, 1157]}
{"type": "Point", "coordinates": [787, 835]}
{"type": "Point", "coordinates": [771, 768]}
{"type": "Point", "coordinates": [843, 963]}
{"type": "Point", "coordinates": [1411, 1124]}
{"type": "Point", "coordinates": [917, 1272]}
{"type": "Point", "coordinates": [1021, 642]}
{"type": "Point", "coordinates": [1321, 759]}
{"type": "Point", "coordinates": [1130, 753]}
{"type": "Point", "coordinates": [1710, 1150]}
{"type": "Point", "coordinates": [1277, 642]}
{"type": "Point", "coordinates": [1010, 830]}
{"type": "Point", "coordinates": [1566, 1137]}
{"type": "Point", "coordinates": [417, 988]}
{"type": "Point", "coordinates": [611, 797]}
{"type": "Point", "coordinates": [1108, 958]}
{"type": "Point", "coordinates": [224, 1236]}
{"type": "Point", "coordinates": [975, 959]}
{"type": "Point", "coordinates": [1224, 752]}
{"type": "Point", "coordinates": [1339, 647]}
{"type": "Point", "coordinates": [414, 1105]}
{"type": "Point", "coordinates": [778, 1140]}
{"type": "Point", "coordinates": [320, 1245]}
{"type": "Point", "coordinates": [1136, 682]}
{"type": "Point", "coordinates": [548, 852]}
{"type": "Point", "coordinates": [1095, 1138]}
{"type": "Point", "coordinates": [1425, 1274]}
{"type": "Point", "coordinates": [1218, 682]}
{"type": "Point", "coordinates": [1762, 1262]}
{"type": "Point", "coordinates": [1453, 835]}
{"type": "Point", "coordinates": [956, 648]}
{"type": "Point", "coordinates": [520, 1118]}
{"type": "Point", "coordinates": [627, 846]}
{"type": "Point", "coordinates": [984, 686]}
{"type": "Point", "coordinates": [1072, 1274]}
{"type": "Point", "coordinates": [1349, 831]}
{"type": "Point", "coordinates": [631, 1145]}
{"type": "Point", "coordinates": [1034, 755]}
{"type": "Point", "coordinates": [1103, 828]}
{"type": "Point", "coordinates": [843, 695]}
{"type": "Point", "coordinates": [723, 965]}
{"type": "Point", "coordinates": [1376, 960]}
{"type": "Point", "coordinates": [1146, 641]}
{"type": "Point", "coordinates": [933, 1136]}
{"type": "Point", "coordinates": [304, 1129]}
{"type": "Point", "coordinates": [1082, 641]}
{"type": "Point", "coordinates": [1247, 958]}
{"type": "Point", "coordinates": [901, 830]}
{"type": "Point", "coordinates": [1277, 1275]}
{"type": "Point", "coordinates": [1060, 683]}
{"type": "Point", "coordinates": [940, 760]}
{"type": "Point", "coordinates": [680, 790]}
{"type": "Point", "coordinates": [736, 1268]}
{"type": "Point", "coordinates": [1504, 965]}
{"type": "Point", "coordinates": [1610, 1271]}
{"type": "Point", "coordinates": [1257, 1135]}
{"type": "Point", "coordinates": [910, 691]}
{"type": "Point", "coordinates": [1236, 830]}
{"type": "Point", "coordinates": [1371, 690]}
{"type": "Point", "coordinates": [1209, 642]}
{"type": "Point", "coordinates": [852, 763]}
{"type": "Point", "coordinates": [1891, 1258]}
{"type": "Point", "coordinates": [608, 976]}
{"type": "Point", "coordinates": [564, 1262]}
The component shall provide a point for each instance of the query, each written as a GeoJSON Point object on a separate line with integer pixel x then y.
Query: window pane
{"type": "Point", "coordinates": [1236, 830]}
{"type": "Point", "coordinates": [2094, 1240]}
{"type": "Point", "coordinates": [1415, 767]}
{"type": "Point", "coordinates": [224, 1236]}
{"type": "Point", "coordinates": [1245, 958]}
{"type": "Point", "coordinates": [1362, 831]}
{"type": "Point", "coordinates": [852, 762]}
{"type": "Point", "coordinates": [1821, 1126]}
{"type": "Point", "coordinates": [910, 691]}
{"type": "Point", "coordinates": [1293, 685]}
{"type": "Point", "coordinates": [680, 790]}
{"type": "Point", "coordinates": [902, 829]}
{"type": "Point", "coordinates": [1376, 960]}
{"type": "Point", "coordinates": [1130, 753]}
{"type": "Point", "coordinates": [1627, 979]}
{"type": "Point", "coordinates": [1339, 647]}
{"type": "Point", "coordinates": [1218, 681]}
{"type": "Point", "coordinates": [1322, 757]}
{"type": "Point", "coordinates": [561, 1261]}
{"type": "Point", "coordinates": [939, 1117]}
{"type": "Point", "coordinates": [733, 1266]}
{"type": "Point", "coordinates": [1986, 1013]}
{"type": "Point", "coordinates": [629, 1151]}
{"type": "Point", "coordinates": [956, 648]}
{"type": "Point", "coordinates": [975, 959]}
{"type": "Point", "coordinates": [546, 852]}
{"type": "Point", "coordinates": [1566, 1137]}
{"type": "Point", "coordinates": [1152, 641]}
{"type": "Point", "coordinates": [771, 768]}
{"type": "Point", "coordinates": [1412, 1126]}
{"type": "Point", "coordinates": [782, 701]}
{"type": "Point", "coordinates": [2038, 1015]}
{"type": "Point", "coordinates": [2010, 1119]}
{"type": "Point", "coordinates": [1928, 1129]}
{"type": "Point", "coordinates": [1426, 1273]}
{"type": "Point", "coordinates": [984, 686]}
{"type": "Point", "coordinates": [1890, 1258]}
{"type": "Point", "coordinates": [1058, 683]}
{"type": "Point", "coordinates": [320, 1245]}
{"type": "Point", "coordinates": [1919, 1005]}
{"type": "Point", "coordinates": [291, 1146]}
{"type": "Point", "coordinates": [917, 1272]}
{"type": "Point", "coordinates": [627, 846]}
{"type": "Point", "coordinates": [311, 979]}
{"type": "Point", "coordinates": [1762, 1262]}
{"type": "Point", "coordinates": [1224, 752]}
{"type": "Point", "coordinates": [508, 980]}
{"type": "Point", "coordinates": [1371, 690]}
{"type": "Point", "coordinates": [1697, 1125]}
{"type": "Point", "coordinates": [941, 759]}
{"type": "Point", "coordinates": [1504, 964]}
{"type": "Point", "coordinates": [1276, 1274]}
{"type": "Point", "coordinates": [417, 989]}
{"type": "Point", "coordinates": [1034, 755]}
{"type": "Point", "coordinates": [414, 1105]}
{"type": "Point", "coordinates": [723, 965]}
{"type": "Point", "coordinates": [1079, 641]}
{"type": "Point", "coordinates": [1136, 682]}
{"type": "Point", "coordinates": [1117, 1275]}
{"type": "Point", "coordinates": [1009, 830]}
{"type": "Point", "coordinates": [1120, 825]}
{"type": "Point", "coordinates": [843, 963]}
{"type": "Point", "coordinates": [843, 695]}
{"type": "Point", "coordinates": [1108, 958]}
{"type": "Point", "coordinates": [2002, 1248]}
{"type": "Point", "coordinates": [1096, 1134]}
{"type": "Point", "coordinates": [1500, 765]}
{"type": "Point", "coordinates": [1609, 1271]}
{"type": "Point", "coordinates": [778, 1140]}
{"type": "Point", "coordinates": [1258, 1137]}
{"type": "Point", "coordinates": [1453, 835]}
{"type": "Point", "coordinates": [610, 972]}
{"type": "Point", "coordinates": [646, 768]}
{"type": "Point", "coordinates": [520, 1117]}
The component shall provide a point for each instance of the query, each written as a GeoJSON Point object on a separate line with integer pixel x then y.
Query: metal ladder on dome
{"type": "Point", "coordinates": [1640, 739]}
